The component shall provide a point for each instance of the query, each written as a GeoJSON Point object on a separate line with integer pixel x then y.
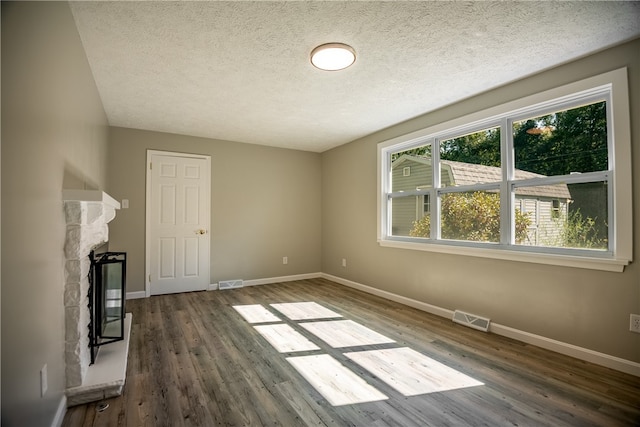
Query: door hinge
{"type": "Point", "coordinates": [150, 165]}
{"type": "Point", "coordinates": [149, 278]}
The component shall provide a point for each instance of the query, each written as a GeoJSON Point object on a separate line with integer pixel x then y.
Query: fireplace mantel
{"type": "Point", "coordinates": [87, 214]}
{"type": "Point", "coordinates": [90, 196]}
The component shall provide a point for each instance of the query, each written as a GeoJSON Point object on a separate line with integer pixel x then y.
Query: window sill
{"type": "Point", "coordinates": [613, 265]}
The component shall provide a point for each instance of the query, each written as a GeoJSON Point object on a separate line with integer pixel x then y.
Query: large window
{"type": "Point", "coordinates": [543, 179]}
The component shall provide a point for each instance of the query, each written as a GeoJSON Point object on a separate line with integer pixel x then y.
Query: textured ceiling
{"type": "Point", "coordinates": [240, 71]}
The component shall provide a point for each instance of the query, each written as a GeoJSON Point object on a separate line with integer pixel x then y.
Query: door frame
{"type": "Point", "coordinates": [147, 244]}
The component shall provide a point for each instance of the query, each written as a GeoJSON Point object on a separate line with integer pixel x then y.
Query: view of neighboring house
{"type": "Point", "coordinates": [543, 204]}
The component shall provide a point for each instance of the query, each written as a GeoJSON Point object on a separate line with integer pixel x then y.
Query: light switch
{"type": "Point", "coordinates": [125, 203]}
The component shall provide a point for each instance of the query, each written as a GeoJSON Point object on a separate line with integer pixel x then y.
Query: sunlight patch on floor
{"type": "Point", "coordinates": [285, 339]}
{"type": "Point", "coordinates": [337, 384]}
{"type": "Point", "coordinates": [407, 371]}
{"type": "Point", "coordinates": [305, 311]}
{"type": "Point", "coordinates": [345, 333]}
{"type": "Point", "coordinates": [256, 313]}
{"type": "Point", "coordinates": [411, 373]}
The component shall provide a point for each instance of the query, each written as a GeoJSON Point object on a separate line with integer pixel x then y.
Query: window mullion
{"type": "Point", "coordinates": [610, 179]}
{"type": "Point", "coordinates": [407, 193]}
{"type": "Point", "coordinates": [386, 213]}
{"type": "Point", "coordinates": [507, 215]}
{"type": "Point", "coordinates": [562, 179]}
{"type": "Point", "coordinates": [435, 196]}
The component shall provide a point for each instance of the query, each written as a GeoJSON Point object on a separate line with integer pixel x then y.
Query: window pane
{"type": "Point", "coordinates": [411, 169]}
{"type": "Point", "coordinates": [473, 216]}
{"type": "Point", "coordinates": [405, 212]}
{"type": "Point", "coordinates": [471, 159]}
{"type": "Point", "coordinates": [563, 216]}
{"type": "Point", "coordinates": [564, 142]}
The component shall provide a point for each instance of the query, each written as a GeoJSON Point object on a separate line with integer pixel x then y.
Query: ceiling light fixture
{"type": "Point", "coordinates": [333, 56]}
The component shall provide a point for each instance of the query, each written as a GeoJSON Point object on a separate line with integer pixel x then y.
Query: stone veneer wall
{"type": "Point", "coordinates": [86, 229]}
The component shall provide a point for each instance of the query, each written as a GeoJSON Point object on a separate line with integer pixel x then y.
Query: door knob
{"type": "Point", "coordinates": [201, 231]}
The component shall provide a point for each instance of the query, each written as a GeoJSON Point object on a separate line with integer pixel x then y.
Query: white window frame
{"type": "Point", "coordinates": [614, 84]}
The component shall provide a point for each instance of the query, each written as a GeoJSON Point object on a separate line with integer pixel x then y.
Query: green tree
{"type": "Point", "coordinates": [422, 151]}
{"type": "Point", "coordinates": [568, 141]}
{"type": "Point", "coordinates": [471, 216]}
{"type": "Point", "coordinates": [533, 151]}
{"type": "Point", "coordinates": [480, 148]}
{"type": "Point", "coordinates": [576, 231]}
{"type": "Point", "coordinates": [573, 140]}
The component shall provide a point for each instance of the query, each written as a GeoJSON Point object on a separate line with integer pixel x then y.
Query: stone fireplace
{"type": "Point", "coordinates": [87, 215]}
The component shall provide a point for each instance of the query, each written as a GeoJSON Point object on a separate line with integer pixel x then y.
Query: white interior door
{"type": "Point", "coordinates": [178, 220]}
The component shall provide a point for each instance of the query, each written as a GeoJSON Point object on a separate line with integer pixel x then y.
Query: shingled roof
{"type": "Point", "coordinates": [469, 173]}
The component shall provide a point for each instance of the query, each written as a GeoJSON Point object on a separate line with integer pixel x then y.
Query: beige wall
{"type": "Point", "coordinates": [581, 307]}
{"type": "Point", "coordinates": [265, 204]}
{"type": "Point", "coordinates": [54, 136]}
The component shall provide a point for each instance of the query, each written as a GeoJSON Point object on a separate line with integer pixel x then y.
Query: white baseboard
{"type": "Point", "coordinates": [60, 413]}
{"type": "Point", "coordinates": [254, 282]}
{"type": "Point", "coordinates": [280, 279]}
{"type": "Point", "coordinates": [581, 353]}
{"type": "Point", "coordinates": [393, 297]}
{"type": "Point", "coordinates": [136, 295]}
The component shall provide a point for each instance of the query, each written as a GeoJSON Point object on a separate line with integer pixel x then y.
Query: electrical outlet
{"type": "Point", "coordinates": [634, 323]}
{"type": "Point", "coordinates": [285, 260]}
{"type": "Point", "coordinates": [344, 262]}
{"type": "Point", "coordinates": [44, 384]}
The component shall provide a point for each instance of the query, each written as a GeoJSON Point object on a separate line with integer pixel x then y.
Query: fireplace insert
{"type": "Point", "coordinates": [107, 280]}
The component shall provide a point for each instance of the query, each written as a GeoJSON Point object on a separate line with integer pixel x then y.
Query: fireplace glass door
{"type": "Point", "coordinates": [107, 299]}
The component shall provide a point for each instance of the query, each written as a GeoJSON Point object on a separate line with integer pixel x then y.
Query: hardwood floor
{"type": "Point", "coordinates": [194, 360]}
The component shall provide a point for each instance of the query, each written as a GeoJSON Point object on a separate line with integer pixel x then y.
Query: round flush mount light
{"type": "Point", "coordinates": [333, 56]}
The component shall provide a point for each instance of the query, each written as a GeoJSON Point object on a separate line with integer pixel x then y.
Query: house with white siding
{"type": "Point", "coordinates": [544, 204]}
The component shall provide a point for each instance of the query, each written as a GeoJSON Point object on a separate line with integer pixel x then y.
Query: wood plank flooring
{"type": "Point", "coordinates": [194, 360]}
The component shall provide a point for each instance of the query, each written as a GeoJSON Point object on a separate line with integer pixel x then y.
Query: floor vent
{"type": "Point", "coordinates": [470, 320]}
{"type": "Point", "coordinates": [230, 284]}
